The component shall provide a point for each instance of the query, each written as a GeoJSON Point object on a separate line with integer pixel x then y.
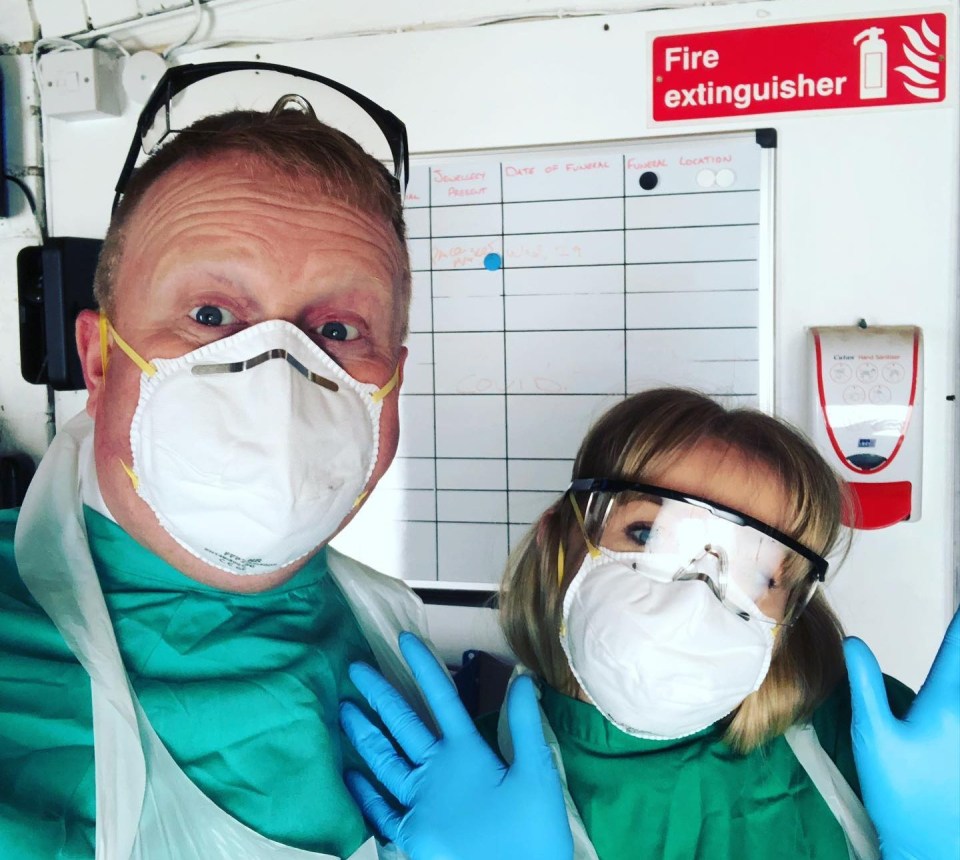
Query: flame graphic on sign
{"type": "Point", "coordinates": [921, 47]}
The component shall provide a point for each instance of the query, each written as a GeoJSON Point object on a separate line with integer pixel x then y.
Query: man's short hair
{"type": "Point", "coordinates": [291, 142]}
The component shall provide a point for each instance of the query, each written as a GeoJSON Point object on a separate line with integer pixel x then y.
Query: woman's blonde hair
{"type": "Point", "coordinates": [637, 439]}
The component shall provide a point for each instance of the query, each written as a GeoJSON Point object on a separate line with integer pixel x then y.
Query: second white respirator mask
{"type": "Point", "coordinates": [659, 659]}
{"type": "Point", "coordinates": [253, 449]}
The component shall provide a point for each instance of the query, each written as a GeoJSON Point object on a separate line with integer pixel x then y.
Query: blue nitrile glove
{"type": "Point", "coordinates": [460, 801]}
{"type": "Point", "coordinates": [910, 769]}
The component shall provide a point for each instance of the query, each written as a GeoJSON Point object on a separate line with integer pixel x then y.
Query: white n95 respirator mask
{"type": "Point", "coordinates": [662, 625]}
{"type": "Point", "coordinates": [253, 449]}
{"type": "Point", "coordinates": [659, 659]}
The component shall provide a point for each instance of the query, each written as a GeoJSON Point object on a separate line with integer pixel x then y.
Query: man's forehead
{"type": "Point", "coordinates": [201, 203]}
{"type": "Point", "coordinates": [242, 168]}
{"type": "Point", "coordinates": [235, 180]}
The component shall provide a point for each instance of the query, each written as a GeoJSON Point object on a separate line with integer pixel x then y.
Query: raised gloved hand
{"type": "Point", "coordinates": [460, 801]}
{"type": "Point", "coordinates": [910, 769]}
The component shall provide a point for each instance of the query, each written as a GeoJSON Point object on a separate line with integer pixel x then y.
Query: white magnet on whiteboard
{"type": "Point", "coordinates": [706, 178]}
{"type": "Point", "coordinates": [141, 73]}
{"type": "Point", "coordinates": [726, 177]}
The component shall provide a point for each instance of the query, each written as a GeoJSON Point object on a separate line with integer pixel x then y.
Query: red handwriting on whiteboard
{"type": "Point", "coordinates": [573, 167]}
{"type": "Point", "coordinates": [533, 385]}
{"type": "Point", "coordinates": [510, 170]}
{"type": "Point", "coordinates": [650, 164]}
{"type": "Point", "coordinates": [461, 256]}
{"type": "Point", "coordinates": [476, 176]}
{"type": "Point", "coordinates": [686, 161]}
{"type": "Point", "coordinates": [526, 252]}
{"type": "Point", "coordinates": [473, 384]}
{"type": "Point", "coordinates": [456, 191]}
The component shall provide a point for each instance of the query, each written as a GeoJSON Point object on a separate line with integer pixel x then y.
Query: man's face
{"type": "Point", "coordinates": [230, 234]}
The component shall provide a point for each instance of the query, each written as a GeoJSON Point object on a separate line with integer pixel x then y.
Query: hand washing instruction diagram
{"type": "Point", "coordinates": [546, 286]}
{"type": "Point", "coordinates": [820, 65]}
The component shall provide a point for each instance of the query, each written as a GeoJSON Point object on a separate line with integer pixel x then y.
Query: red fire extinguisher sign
{"type": "Point", "coordinates": [851, 63]}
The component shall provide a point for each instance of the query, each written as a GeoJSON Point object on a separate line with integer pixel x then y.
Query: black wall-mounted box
{"type": "Point", "coordinates": [55, 283]}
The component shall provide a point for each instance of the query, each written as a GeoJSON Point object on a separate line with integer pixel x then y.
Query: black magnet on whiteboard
{"type": "Point", "coordinates": [648, 180]}
{"type": "Point", "coordinates": [767, 138]}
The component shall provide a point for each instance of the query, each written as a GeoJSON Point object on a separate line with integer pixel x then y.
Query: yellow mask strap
{"type": "Point", "coordinates": [131, 475]}
{"type": "Point", "coordinates": [359, 499]}
{"type": "Point", "coordinates": [560, 565]}
{"type": "Point", "coordinates": [594, 552]}
{"type": "Point", "coordinates": [381, 393]}
{"type": "Point", "coordinates": [107, 327]}
{"type": "Point", "coordinates": [104, 352]}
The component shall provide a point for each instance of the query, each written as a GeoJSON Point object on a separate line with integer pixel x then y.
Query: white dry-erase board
{"type": "Point", "coordinates": [547, 285]}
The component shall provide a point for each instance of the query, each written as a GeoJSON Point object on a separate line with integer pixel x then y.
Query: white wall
{"type": "Point", "coordinates": [881, 179]}
{"type": "Point", "coordinates": [23, 407]}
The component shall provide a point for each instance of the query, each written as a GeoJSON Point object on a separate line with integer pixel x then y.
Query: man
{"type": "Point", "coordinates": [174, 635]}
{"type": "Point", "coordinates": [250, 218]}
{"type": "Point", "coordinates": [238, 672]}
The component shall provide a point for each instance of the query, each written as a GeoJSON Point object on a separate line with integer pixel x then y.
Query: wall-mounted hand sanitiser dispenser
{"type": "Point", "coordinates": [868, 408]}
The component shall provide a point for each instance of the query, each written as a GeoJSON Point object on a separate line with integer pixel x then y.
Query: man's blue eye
{"type": "Point", "coordinates": [211, 315]}
{"type": "Point", "coordinates": [339, 331]}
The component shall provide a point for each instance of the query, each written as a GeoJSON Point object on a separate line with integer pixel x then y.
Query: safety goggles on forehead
{"type": "Point", "coordinates": [684, 537]}
{"type": "Point", "coordinates": [189, 92]}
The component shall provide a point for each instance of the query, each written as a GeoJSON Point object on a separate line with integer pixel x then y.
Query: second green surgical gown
{"type": "Point", "coordinates": [694, 798]}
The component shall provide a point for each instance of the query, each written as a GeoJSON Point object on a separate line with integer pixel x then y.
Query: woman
{"type": "Point", "coordinates": [670, 603]}
{"type": "Point", "coordinates": [690, 671]}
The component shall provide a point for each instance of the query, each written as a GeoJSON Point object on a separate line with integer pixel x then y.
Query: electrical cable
{"type": "Point", "coordinates": [26, 192]}
{"type": "Point", "coordinates": [109, 40]}
{"type": "Point", "coordinates": [196, 26]}
{"type": "Point", "coordinates": [31, 200]}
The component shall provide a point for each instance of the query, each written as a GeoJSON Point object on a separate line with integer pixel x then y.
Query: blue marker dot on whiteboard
{"type": "Point", "coordinates": [492, 262]}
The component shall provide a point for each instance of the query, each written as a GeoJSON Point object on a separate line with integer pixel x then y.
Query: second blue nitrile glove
{"type": "Point", "coordinates": [909, 769]}
{"type": "Point", "coordinates": [459, 800]}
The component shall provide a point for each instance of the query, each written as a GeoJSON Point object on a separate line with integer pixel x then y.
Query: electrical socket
{"type": "Point", "coordinates": [81, 84]}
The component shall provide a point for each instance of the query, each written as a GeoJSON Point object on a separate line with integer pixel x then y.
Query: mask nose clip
{"type": "Point", "coordinates": [710, 567]}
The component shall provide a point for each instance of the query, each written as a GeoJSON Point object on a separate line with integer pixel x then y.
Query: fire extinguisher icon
{"type": "Point", "coordinates": [873, 63]}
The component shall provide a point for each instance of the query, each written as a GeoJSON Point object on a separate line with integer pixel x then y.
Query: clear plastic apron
{"type": "Point", "coordinates": [862, 843]}
{"type": "Point", "coordinates": [147, 807]}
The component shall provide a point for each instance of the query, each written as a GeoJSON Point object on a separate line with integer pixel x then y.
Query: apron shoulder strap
{"type": "Point", "coordinates": [862, 842]}
{"type": "Point", "coordinates": [384, 607]}
{"type": "Point", "coordinates": [582, 846]}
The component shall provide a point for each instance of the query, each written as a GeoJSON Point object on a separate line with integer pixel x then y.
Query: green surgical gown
{"type": "Point", "coordinates": [242, 688]}
{"type": "Point", "coordinates": [696, 799]}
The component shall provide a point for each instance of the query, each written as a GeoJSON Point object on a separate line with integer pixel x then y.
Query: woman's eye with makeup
{"type": "Point", "coordinates": [337, 330]}
{"type": "Point", "coordinates": [639, 533]}
{"type": "Point", "coordinates": [212, 315]}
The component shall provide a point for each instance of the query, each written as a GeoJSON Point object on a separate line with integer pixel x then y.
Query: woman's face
{"type": "Point", "coordinates": [721, 474]}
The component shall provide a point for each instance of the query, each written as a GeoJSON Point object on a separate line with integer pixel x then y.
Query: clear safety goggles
{"type": "Point", "coordinates": [190, 92]}
{"type": "Point", "coordinates": [683, 537]}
